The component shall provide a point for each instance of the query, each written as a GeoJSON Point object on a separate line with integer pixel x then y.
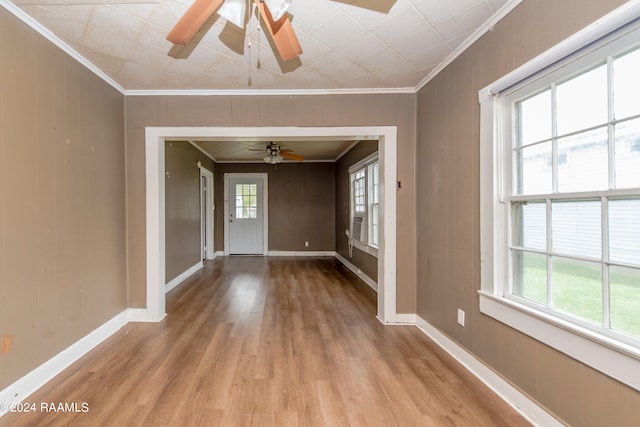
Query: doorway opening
{"type": "Point", "coordinates": [206, 214]}
{"type": "Point", "coordinates": [155, 202]}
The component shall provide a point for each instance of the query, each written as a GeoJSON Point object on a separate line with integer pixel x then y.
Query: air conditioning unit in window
{"type": "Point", "coordinates": [359, 229]}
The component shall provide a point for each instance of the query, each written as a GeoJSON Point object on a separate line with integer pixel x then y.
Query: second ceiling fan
{"type": "Point", "coordinates": [272, 12]}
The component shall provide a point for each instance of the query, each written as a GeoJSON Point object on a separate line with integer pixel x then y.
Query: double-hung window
{"type": "Point", "coordinates": [561, 205]}
{"type": "Point", "coordinates": [364, 203]}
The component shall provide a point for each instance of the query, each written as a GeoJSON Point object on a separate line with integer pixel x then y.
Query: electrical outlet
{"type": "Point", "coordinates": [306, 244]}
{"type": "Point", "coordinates": [460, 317]}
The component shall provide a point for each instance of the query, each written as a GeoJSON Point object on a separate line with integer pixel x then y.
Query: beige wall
{"type": "Point", "coordinates": [365, 262]}
{"type": "Point", "coordinates": [289, 110]}
{"type": "Point", "coordinates": [182, 207]}
{"type": "Point", "coordinates": [62, 200]}
{"type": "Point", "coordinates": [301, 204]}
{"type": "Point", "coordinates": [448, 218]}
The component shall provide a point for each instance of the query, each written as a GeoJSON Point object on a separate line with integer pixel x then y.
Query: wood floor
{"type": "Point", "coordinates": [253, 341]}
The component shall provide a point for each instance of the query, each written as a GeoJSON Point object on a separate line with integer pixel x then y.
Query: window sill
{"type": "Point", "coordinates": [365, 248]}
{"type": "Point", "coordinates": [614, 358]}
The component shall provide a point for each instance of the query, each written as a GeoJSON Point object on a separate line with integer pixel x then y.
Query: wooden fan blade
{"type": "Point", "coordinates": [192, 20]}
{"type": "Point", "coordinates": [291, 156]}
{"type": "Point", "coordinates": [281, 32]}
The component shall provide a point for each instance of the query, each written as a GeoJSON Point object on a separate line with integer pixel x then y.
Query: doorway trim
{"type": "Point", "coordinates": [155, 200]}
{"type": "Point", "coordinates": [265, 208]}
{"type": "Point", "coordinates": [207, 221]}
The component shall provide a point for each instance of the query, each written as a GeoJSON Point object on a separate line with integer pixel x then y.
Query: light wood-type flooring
{"type": "Point", "coordinates": [253, 341]}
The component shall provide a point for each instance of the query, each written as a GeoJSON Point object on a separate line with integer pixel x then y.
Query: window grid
{"type": "Point", "coordinates": [359, 193]}
{"type": "Point", "coordinates": [246, 201]}
{"type": "Point", "coordinates": [521, 197]}
{"type": "Point", "coordinates": [364, 202]}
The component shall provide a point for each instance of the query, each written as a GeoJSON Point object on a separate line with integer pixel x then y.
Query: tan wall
{"type": "Point", "coordinates": [365, 262]}
{"type": "Point", "coordinates": [62, 202]}
{"type": "Point", "coordinates": [182, 207]}
{"type": "Point", "coordinates": [448, 218]}
{"type": "Point", "coordinates": [310, 110]}
{"type": "Point", "coordinates": [301, 204]}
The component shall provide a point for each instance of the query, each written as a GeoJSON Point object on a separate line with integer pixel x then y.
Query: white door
{"type": "Point", "coordinates": [246, 214]}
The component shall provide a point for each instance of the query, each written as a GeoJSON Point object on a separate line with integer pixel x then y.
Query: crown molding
{"type": "Point", "coordinates": [269, 92]}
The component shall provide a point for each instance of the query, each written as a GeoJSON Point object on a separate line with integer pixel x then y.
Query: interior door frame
{"type": "Point", "coordinates": [265, 207]}
{"type": "Point", "coordinates": [155, 137]}
{"type": "Point", "coordinates": [209, 210]}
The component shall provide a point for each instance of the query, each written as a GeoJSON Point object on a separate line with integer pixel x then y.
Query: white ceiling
{"type": "Point", "coordinates": [345, 47]}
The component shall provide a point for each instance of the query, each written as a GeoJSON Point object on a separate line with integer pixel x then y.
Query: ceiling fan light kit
{"type": "Point", "coordinates": [272, 12]}
{"type": "Point", "coordinates": [276, 155]}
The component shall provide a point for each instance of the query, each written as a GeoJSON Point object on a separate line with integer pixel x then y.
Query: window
{"type": "Point", "coordinates": [364, 203]}
{"type": "Point", "coordinates": [246, 201]}
{"type": "Point", "coordinates": [561, 204]}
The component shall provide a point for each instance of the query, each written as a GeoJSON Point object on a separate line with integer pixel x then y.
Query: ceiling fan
{"type": "Point", "coordinates": [272, 12]}
{"type": "Point", "coordinates": [275, 154]}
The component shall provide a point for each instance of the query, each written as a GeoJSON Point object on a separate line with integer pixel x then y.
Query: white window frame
{"type": "Point", "coordinates": [365, 166]}
{"type": "Point", "coordinates": [611, 356]}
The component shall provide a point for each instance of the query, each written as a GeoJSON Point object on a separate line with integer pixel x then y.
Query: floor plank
{"type": "Point", "coordinates": [269, 342]}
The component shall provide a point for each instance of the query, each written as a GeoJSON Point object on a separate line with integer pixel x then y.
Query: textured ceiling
{"type": "Point", "coordinates": [347, 45]}
{"type": "Point", "coordinates": [243, 150]}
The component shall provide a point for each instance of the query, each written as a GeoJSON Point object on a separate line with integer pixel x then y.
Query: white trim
{"type": "Point", "coordinates": [265, 207]}
{"type": "Point", "coordinates": [512, 396]}
{"type": "Point", "coordinates": [404, 319]}
{"type": "Point", "coordinates": [182, 276]}
{"type": "Point", "coordinates": [262, 161]}
{"type": "Point", "coordinates": [25, 386]}
{"type": "Point", "coordinates": [219, 253]}
{"type": "Point", "coordinates": [269, 92]}
{"type": "Point", "coordinates": [138, 315]}
{"type": "Point", "coordinates": [155, 223]}
{"type": "Point", "coordinates": [366, 279]}
{"type": "Point", "coordinates": [154, 162]}
{"type": "Point", "coordinates": [209, 211]}
{"type": "Point", "coordinates": [486, 27]}
{"type": "Point", "coordinates": [301, 253]}
{"type": "Point", "coordinates": [44, 32]}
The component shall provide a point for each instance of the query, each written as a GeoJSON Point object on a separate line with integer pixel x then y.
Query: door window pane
{"type": "Point", "coordinates": [246, 201]}
{"type": "Point", "coordinates": [576, 228]}
{"type": "Point", "coordinates": [577, 288]}
{"type": "Point", "coordinates": [625, 300]}
{"type": "Point", "coordinates": [624, 232]}
{"type": "Point", "coordinates": [588, 89]}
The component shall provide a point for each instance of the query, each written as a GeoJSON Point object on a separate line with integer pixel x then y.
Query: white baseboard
{"type": "Point", "coordinates": [368, 280]}
{"type": "Point", "coordinates": [511, 395]}
{"type": "Point", "coordinates": [180, 278]}
{"type": "Point", "coordinates": [301, 253]}
{"type": "Point", "coordinates": [403, 319]}
{"type": "Point", "coordinates": [25, 386]}
{"type": "Point", "coordinates": [140, 315]}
